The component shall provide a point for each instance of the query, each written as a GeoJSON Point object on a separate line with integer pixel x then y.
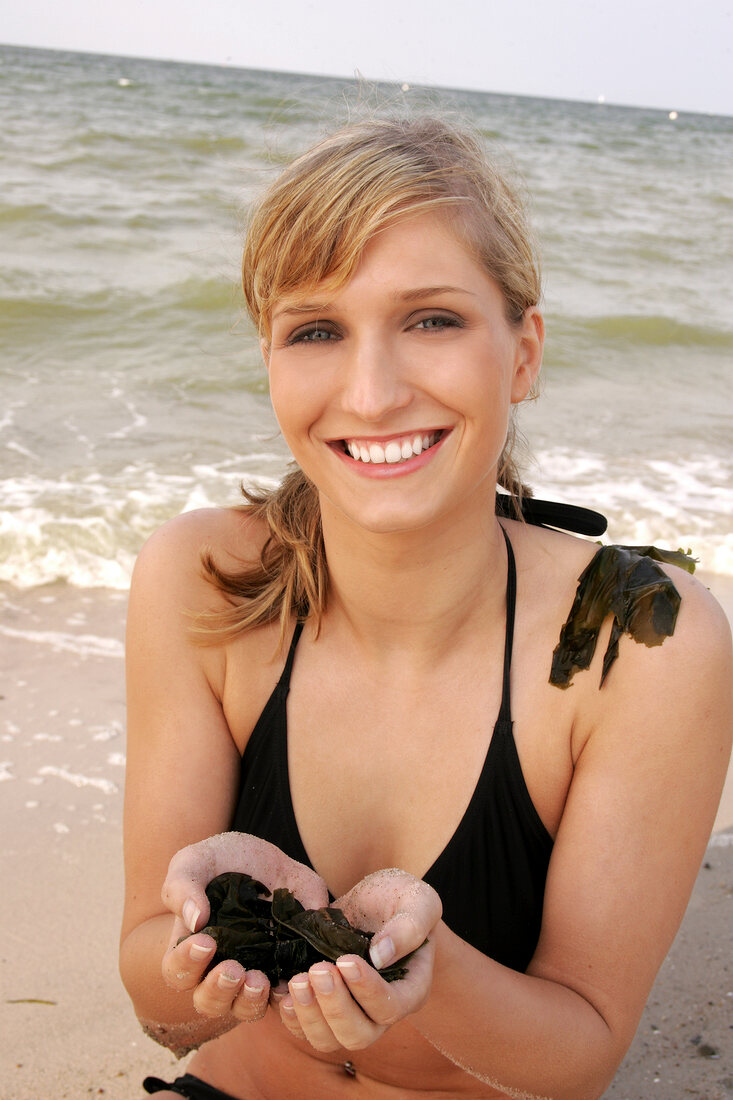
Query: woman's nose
{"type": "Point", "coordinates": [374, 383]}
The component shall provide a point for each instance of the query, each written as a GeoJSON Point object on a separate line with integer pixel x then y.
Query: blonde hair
{"type": "Point", "coordinates": [310, 228]}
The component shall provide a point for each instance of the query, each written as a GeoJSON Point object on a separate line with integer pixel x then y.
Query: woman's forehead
{"type": "Point", "coordinates": [427, 241]}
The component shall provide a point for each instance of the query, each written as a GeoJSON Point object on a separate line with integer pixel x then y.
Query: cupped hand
{"type": "Point", "coordinates": [227, 989]}
{"type": "Point", "coordinates": [347, 1004]}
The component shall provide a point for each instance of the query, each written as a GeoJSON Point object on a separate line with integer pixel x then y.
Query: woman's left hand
{"type": "Point", "coordinates": [347, 1004]}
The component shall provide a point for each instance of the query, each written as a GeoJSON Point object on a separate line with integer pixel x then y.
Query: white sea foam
{"type": "Point", "coordinates": [688, 503]}
{"type": "Point", "coordinates": [77, 780]}
{"type": "Point", "coordinates": [5, 773]}
{"type": "Point", "coordinates": [88, 532]}
{"type": "Point", "coordinates": [12, 445]}
{"type": "Point", "coordinates": [117, 759]}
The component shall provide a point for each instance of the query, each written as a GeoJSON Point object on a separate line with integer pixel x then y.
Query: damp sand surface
{"type": "Point", "coordinates": [66, 1021]}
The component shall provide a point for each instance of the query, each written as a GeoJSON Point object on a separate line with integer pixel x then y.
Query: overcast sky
{"type": "Point", "coordinates": [673, 54]}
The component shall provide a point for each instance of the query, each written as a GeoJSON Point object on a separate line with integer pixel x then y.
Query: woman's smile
{"type": "Point", "coordinates": [392, 455]}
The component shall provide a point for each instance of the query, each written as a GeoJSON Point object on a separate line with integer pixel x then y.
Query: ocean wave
{"type": "Point", "coordinates": [686, 503]}
{"type": "Point", "coordinates": [89, 533]}
{"type": "Point", "coordinates": [47, 308]}
{"type": "Point", "coordinates": [656, 331]}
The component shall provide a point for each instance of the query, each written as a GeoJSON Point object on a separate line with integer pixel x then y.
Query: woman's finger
{"type": "Point", "coordinates": [350, 1025]}
{"type": "Point", "coordinates": [387, 1002]}
{"type": "Point", "coordinates": [325, 1014]}
{"type": "Point", "coordinates": [253, 998]}
{"type": "Point", "coordinates": [184, 964]}
{"type": "Point", "coordinates": [215, 995]}
{"type": "Point", "coordinates": [303, 1017]}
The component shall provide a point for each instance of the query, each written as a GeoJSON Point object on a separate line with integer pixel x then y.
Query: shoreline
{"type": "Point", "coordinates": [61, 776]}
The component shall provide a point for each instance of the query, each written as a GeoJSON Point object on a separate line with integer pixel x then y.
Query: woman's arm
{"type": "Point", "coordinates": [182, 781]}
{"type": "Point", "coordinates": [181, 765]}
{"type": "Point", "coordinates": [650, 758]}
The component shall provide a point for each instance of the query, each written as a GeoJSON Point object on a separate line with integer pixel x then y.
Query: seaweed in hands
{"type": "Point", "coordinates": [280, 937]}
{"type": "Point", "coordinates": [626, 582]}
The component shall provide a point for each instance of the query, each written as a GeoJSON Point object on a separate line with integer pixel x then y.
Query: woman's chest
{"type": "Point", "coordinates": [373, 771]}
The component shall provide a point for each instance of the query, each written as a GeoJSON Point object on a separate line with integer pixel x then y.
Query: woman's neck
{"type": "Point", "coordinates": [420, 588]}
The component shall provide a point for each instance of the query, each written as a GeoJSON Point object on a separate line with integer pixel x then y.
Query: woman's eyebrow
{"type": "Point", "coordinates": [401, 295]}
{"type": "Point", "coordinates": [306, 307]}
{"type": "Point", "coordinates": [427, 291]}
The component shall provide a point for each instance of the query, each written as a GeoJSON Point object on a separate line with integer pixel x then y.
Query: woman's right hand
{"type": "Point", "coordinates": [227, 989]}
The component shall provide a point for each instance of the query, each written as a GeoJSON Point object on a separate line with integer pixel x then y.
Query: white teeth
{"type": "Point", "coordinates": [392, 452]}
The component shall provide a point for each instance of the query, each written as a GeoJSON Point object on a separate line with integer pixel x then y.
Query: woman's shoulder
{"type": "Point", "coordinates": [172, 555]}
{"type": "Point", "coordinates": [171, 596]}
{"type": "Point", "coordinates": [680, 627]}
{"type": "Point", "coordinates": [230, 531]}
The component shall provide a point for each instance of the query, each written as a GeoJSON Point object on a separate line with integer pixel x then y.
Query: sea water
{"type": "Point", "coordinates": [131, 386]}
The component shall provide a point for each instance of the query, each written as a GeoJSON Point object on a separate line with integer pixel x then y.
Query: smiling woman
{"type": "Point", "coordinates": [351, 700]}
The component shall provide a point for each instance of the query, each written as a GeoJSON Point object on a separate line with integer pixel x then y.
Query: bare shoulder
{"type": "Point", "coordinates": [688, 662]}
{"type": "Point", "coordinates": [699, 648]}
{"type": "Point", "coordinates": [170, 588]}
{"type": "Point", "coordinates": [699, 609]}
{"type": "Point", "coordinates": [174, 551]}
{"type": "Point", "coordinates": [676, 696]}
{"type": "Point", "coordinates": [555, 562]}
{"type": "Point", "coordinates": [168, 569]}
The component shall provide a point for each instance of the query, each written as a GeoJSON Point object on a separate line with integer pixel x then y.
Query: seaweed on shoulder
{"type": "Point", "coordinates": [628, 583]}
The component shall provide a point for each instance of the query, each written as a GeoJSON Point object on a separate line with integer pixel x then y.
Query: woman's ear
{"type": "Point", "coordinates": [529, 354]}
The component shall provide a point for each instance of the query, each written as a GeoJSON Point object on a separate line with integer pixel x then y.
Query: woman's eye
{"type": "Point", "coordinates": [435, 324]}
{"type": "Point", "coordinates": [313, 335]}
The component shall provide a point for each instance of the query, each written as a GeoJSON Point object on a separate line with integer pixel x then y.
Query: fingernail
{"type": "Point", "coordinates": [191, 914]}
{"type": "Point", "coordinates": [253, 990]}
{"type": "Point", "coordinates": [302, 992]}
{"type": "Point", "coordinates": [382, 953]}
{"type": "Point", "coordinates": [322, 980]}
{"type": "Point", "coordinates": [227, 981]}
{"type": "Point", "coordinates": [349, 969]}
{"type": "Point", "coordinates": [199, 952]}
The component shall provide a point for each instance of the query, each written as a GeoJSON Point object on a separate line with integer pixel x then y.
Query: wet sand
{"type": "Point", "coordinates": [67, 1025]}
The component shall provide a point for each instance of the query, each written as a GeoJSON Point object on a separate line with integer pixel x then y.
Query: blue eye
{"type": "Point", "coordinates": [437, 323]}
{"type": "Point", "coordinates": [316, 334]}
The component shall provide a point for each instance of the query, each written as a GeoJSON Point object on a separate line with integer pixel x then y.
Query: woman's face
{"type": "Point", "coordinates": [394, 391]}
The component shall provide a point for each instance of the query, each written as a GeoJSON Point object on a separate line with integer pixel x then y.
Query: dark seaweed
{"type": "Point", "coordinates": [280, 937]}
{"type": "Point", "coordinates": [626, 582]}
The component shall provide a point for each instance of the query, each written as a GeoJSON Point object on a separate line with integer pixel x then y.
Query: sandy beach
{"type": "Point", "coordinates": [68, 1027]}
